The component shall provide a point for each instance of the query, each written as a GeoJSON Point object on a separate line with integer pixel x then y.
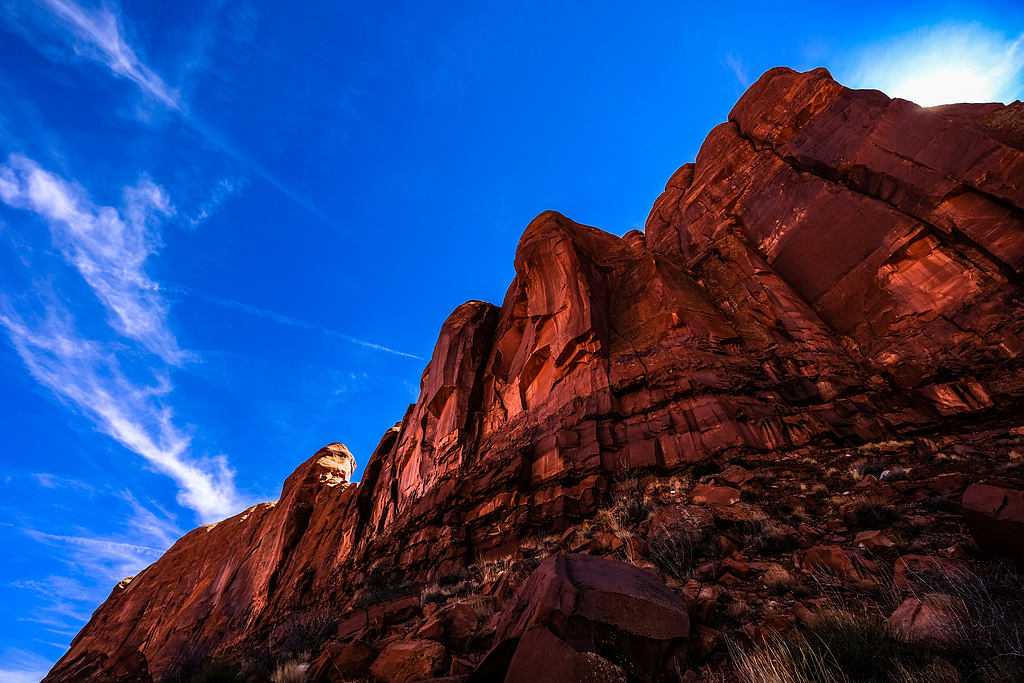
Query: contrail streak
{"type": "Point", "coordinates": [279, 318]}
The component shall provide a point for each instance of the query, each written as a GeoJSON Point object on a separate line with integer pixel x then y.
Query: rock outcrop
{"type": "Point", "coordinates": [836, 267]}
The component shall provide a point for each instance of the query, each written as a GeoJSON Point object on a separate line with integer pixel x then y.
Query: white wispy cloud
{"type": "Point", "coordinates": [280, 318]}
{"type": "Point", "coordinates": [87, 376]}
{"type": "Point", "coordinates": [98, 34]}
{"type": "Point", "coordinates": [107, 247]}
{"type": "Point", "coordinates": [738, 70]}
{"type": "Point", "coordinates": [95, 562]}
{"type": "Point", "coordinates": [53, 481]}
{"type": "Point", "coordinates": [127, 559]}
{"type": "Point", "coordinates": [227, 187]}
{"type": "Point", "coordinates": [19, 666]}
{"type": "Point", "coordinates": [942, 64]}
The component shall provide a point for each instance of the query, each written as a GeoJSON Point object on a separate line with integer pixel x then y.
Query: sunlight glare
{"type": "Point", "coordinates": [945, 64]}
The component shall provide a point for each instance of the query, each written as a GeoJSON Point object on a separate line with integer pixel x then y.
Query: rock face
{"type": "Point", "coordinates": [835, 267]}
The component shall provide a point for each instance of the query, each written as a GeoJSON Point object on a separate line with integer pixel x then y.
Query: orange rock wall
{"type": "Point", "coordinates": [836, 266]}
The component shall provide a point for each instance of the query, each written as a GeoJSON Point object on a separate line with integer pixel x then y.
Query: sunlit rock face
{"type": "Point", "coordinates": [835, 267]}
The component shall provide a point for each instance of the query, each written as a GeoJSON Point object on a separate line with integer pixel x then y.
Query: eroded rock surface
{"type": "Point", "coordinates": [835, 267]}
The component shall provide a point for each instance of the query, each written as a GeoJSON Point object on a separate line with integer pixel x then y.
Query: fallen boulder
{"type": "Point", "coordinates": [592, 606]}
{"type": "Point", "coordinates": [995, 517]}
{"type": "Point", "coordinates": [410, 660]}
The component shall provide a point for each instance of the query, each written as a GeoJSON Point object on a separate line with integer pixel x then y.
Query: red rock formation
{"type": "Point", "coordinates": [836, 266]}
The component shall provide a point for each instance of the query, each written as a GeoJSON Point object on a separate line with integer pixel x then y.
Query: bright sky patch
{"type": "Point", "coordinates": [945, 64]}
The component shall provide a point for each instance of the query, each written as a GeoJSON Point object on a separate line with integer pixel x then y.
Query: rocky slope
{"type": "Point", "coordinates": [836, 269]}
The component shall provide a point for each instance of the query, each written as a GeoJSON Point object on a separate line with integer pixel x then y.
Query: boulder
{"type": "Point", "coordinates": [830, 561]}
{"type": "Point", "coordinates": [342, 662]}
{"type": "Point", "coordinates": [460, 623]}
{"type": "Point", "coordinates": [410, 660]}
{"type": "Point", "coordinates": [595, 605]}
{"type": "Point", "coordinates": [714, 495]}
{"type": "Point", "coordinates": [933, 618]}
{"type": "Point", "coordinates": [543, 657]}
{"type": "Point", "coordinates": [995, 517]}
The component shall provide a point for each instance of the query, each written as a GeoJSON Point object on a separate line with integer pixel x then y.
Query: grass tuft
{"type": "Point", "coordinates": [676, 550]}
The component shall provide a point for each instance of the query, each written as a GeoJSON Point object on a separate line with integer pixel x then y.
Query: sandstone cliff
{"type": "Point", "coordinates": [836, 267]}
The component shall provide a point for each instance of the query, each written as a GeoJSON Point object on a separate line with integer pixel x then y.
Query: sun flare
{"type": "Point", "coordinates": [946, 64]}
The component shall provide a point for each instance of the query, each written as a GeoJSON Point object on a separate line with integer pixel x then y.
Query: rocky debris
{"type": "Point", "coordinates": [378, 618]}
{"type": "Point", "coordinates": [837, 272]}
{"type": "Point", "coordinates": [995, 516]}
{"type": "Point", "coordinates": [873, 540]}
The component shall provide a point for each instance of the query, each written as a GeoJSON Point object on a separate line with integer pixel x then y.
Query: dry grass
{"type": "Point", "coordinates": [779, 581]}
{"type": "Point", "coordinates": [765, 538]}
{"type": "Point", "coordinates": [839, 647]}
{"type": "Point", "coordinates": [492, 570]}
{"type": "Point", "coordinates": [446, 588]}
{"type": "Point", "coordinates": [676, 551]}
{"type": "Point", "coordinates": [290, 672]}
{"type": "Point", "coordinates": [631, 503]}
{"type": "Point", "coordinates": [862, 468]}
{"type": "Point", "coordinates": [871, 515]}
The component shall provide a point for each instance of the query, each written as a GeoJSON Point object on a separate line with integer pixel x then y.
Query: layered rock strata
{"type": "Point", "coordinates": [836, 267]}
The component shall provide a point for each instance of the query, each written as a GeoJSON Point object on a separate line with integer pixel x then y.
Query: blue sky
{"type": "Point", "coordinates": [230, 231]}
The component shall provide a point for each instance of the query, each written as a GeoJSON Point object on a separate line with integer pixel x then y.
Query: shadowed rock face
{"type": "Point", "coordinates": [836, 266]}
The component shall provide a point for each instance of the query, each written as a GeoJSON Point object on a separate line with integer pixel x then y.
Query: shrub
{"type": "Point", "coordinates": [943, 502]}
{"type": "Point", "coordinates": [445, 588]}
{"type": "Point", "coordinates": [839, 647]}
{"type": "Point", "coordinates": [704, 468]}
{"type": "Point", "coordinates": [896, 474]}
{"type": "Point", "coordinates": [676, 550]}
{"type": "Point", "coordinates": [290, 672]}
{"type": "Point", "coordinates": [863, 468]}
{"type": "Point", "coordinates": [865, 513]}
{"type": "Point", "coordinates": [492, 570]}
{"type": "Point", "coordinates": [193, 666]}
{"type": "Point", "coordinates": [765, 538]}
{"type": "Point", "coordinates": [630, 502]}
{"type": "Point", "coordinates": [307, 631]}
{"type": "Point", "coordinates": [382, 585]}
